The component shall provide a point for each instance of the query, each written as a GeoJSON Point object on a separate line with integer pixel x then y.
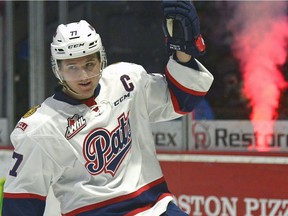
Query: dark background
{"type": "Point", "coordinates": [131, 31]}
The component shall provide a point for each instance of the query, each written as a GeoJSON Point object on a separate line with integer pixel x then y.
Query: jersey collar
{"type": "Point", "coordinates": [61, 96]}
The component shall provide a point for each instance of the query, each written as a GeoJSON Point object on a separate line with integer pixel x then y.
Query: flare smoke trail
{"type": "Point", "coordinates": [260, 32]}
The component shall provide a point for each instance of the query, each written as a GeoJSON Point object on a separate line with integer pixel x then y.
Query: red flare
{"type": "Point", "coordinates": [260, 49]}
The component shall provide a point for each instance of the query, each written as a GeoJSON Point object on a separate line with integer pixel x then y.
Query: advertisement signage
{"type": "Point", "coordinates": [237, 135]}
{"type": "Point", "coordinates": [231, 185]}
{"type": "Point", "coordinates": [168, 136]}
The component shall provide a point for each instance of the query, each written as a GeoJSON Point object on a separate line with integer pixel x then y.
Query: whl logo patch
{"type": "Point", "coordinates": [75, 124]}
{"type": "Point", "coordinates": [105, 150]}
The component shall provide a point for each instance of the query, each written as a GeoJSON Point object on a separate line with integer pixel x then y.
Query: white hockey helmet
{"type": "Point", "coordinates": [75, 40]}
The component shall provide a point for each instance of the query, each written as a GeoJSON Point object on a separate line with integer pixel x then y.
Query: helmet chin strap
{"type": "Point", "coordinates": [67, 88]}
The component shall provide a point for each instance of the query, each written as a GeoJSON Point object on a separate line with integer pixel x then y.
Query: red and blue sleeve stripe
{"type": "Point", "coordinates": [23, 204]}
{"type": "Point", "coordinates": [184, 100]}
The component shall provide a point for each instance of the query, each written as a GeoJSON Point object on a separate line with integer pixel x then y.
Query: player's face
{"type": "Point", "coordinates": [81, 75]}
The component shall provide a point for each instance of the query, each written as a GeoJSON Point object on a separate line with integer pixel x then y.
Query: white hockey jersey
{"type": "Point", "coordinates": [98, 155]}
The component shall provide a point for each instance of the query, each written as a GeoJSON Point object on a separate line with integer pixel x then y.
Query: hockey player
{"type": "Point", "coordinates": [91, 141]}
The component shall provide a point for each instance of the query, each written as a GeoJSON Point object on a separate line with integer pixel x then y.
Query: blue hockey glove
{"type": "Point", "coordinates": [181, 28]}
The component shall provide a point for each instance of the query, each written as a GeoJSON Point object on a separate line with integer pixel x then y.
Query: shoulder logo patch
{"type": "Point", "coordinates": [22, 126]}
{"type": "Point", "coordinates": [31, 111]}
{"type": "Point", "coordinates": [75, 124]}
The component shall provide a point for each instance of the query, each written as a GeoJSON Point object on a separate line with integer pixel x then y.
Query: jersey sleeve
{"type": "Point", "coordinates": [187, 85]}
{"type": "Point", "coordinates": [178, 93]}
{"type": "Point", "coordinates": [28, 179]}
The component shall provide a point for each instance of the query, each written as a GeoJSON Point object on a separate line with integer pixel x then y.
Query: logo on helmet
{"type": "Point", "coordinates": [74, 46]}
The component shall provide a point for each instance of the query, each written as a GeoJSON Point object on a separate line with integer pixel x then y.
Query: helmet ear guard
{"type": "Point", "coordinates": [103, 59]}
{"type": "Point", "coordinates": [55, 69]}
